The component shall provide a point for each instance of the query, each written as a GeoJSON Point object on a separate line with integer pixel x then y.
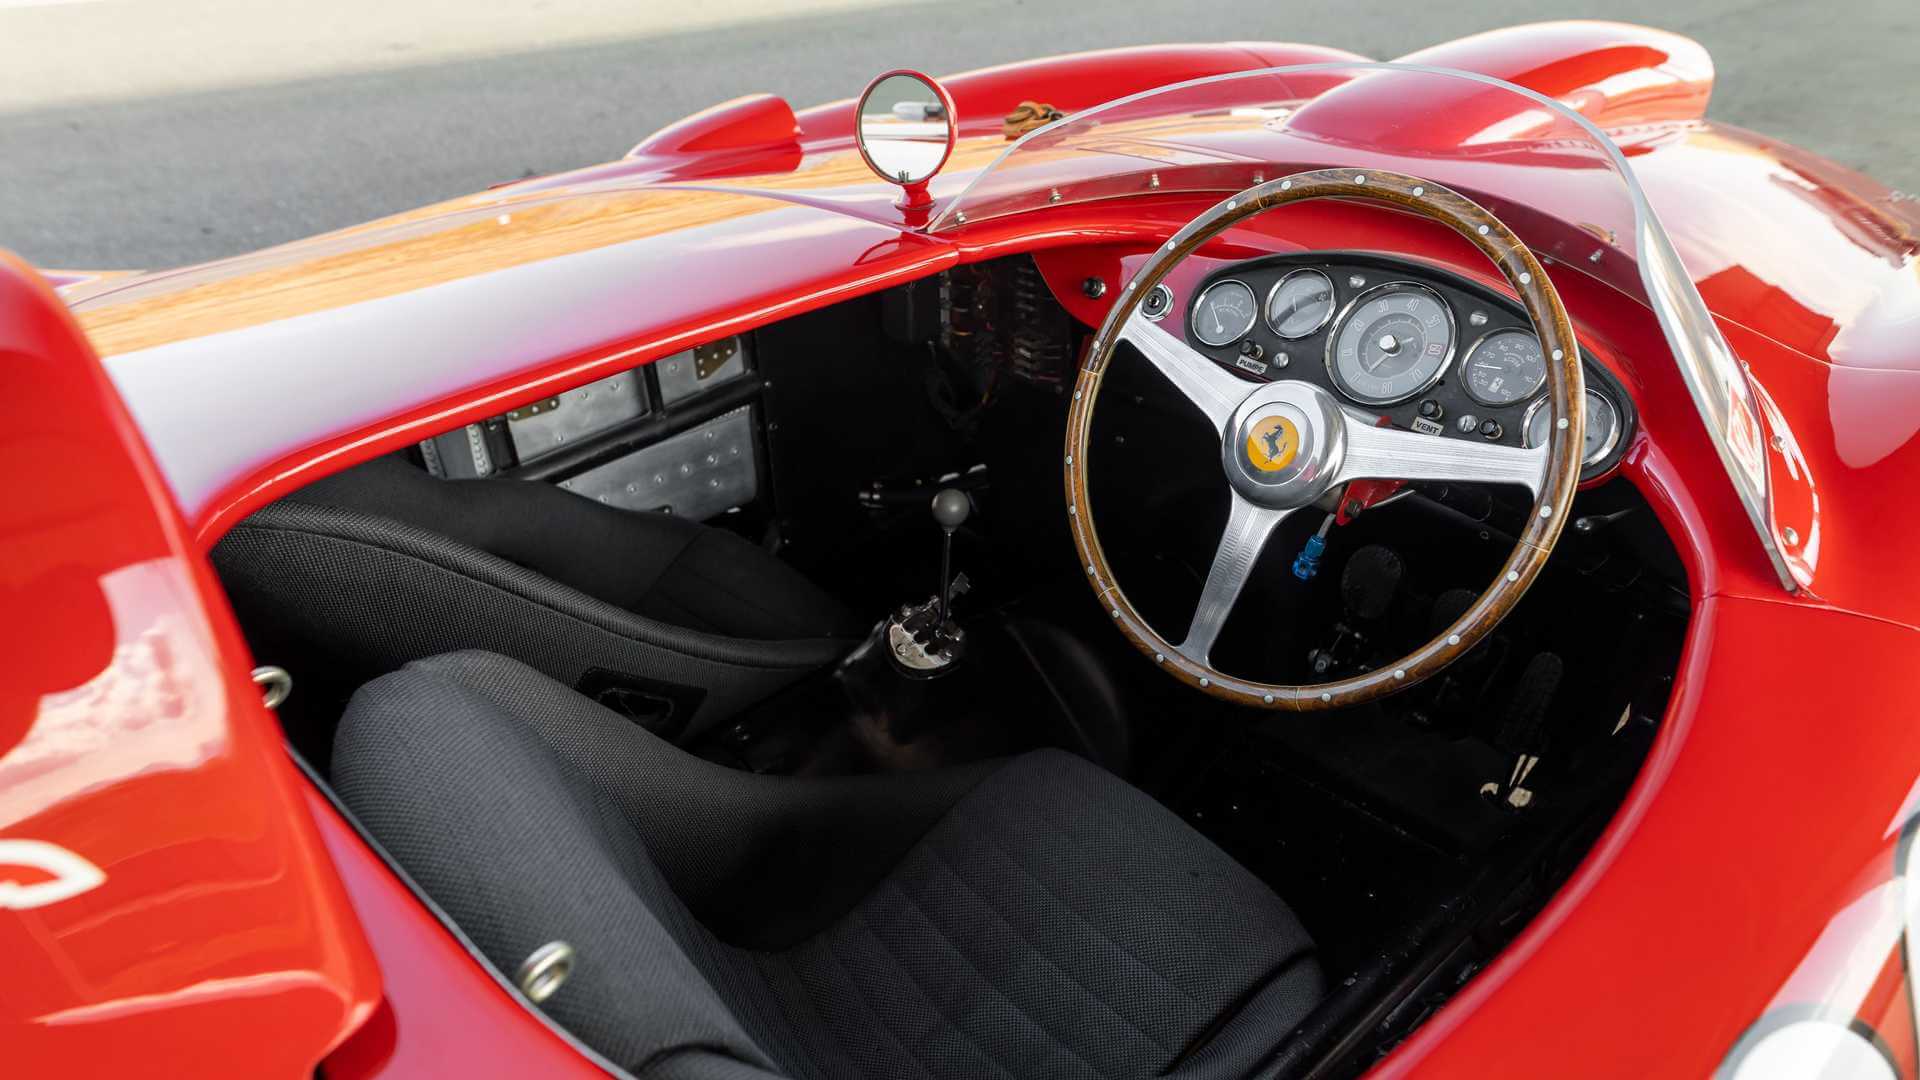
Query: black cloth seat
{"type": "Point", "coordinates": [1032, 917]}
{"type": "Point", "coordinates": [362, 571]}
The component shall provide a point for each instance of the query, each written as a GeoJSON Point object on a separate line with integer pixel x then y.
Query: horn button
{"type": "Point", "coordinates": [1284, 445]}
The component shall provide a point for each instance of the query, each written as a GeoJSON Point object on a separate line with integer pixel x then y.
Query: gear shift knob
{"type": "Point", "coordinates": [950, 508]}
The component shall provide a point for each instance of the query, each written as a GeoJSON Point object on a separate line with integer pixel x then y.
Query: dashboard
{"type": "Point", "coordinates": [1432, 352]}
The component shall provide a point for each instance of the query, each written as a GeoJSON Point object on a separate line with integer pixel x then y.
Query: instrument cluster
{"type": "Point", "coordinates": [1432, 352]}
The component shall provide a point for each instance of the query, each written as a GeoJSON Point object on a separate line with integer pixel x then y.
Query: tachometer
{"type": "Point", "coordinates": [1300, 304]}
{"type": "Point", "coordinates": [1504, 367]}
{"type": "Point", "coordinates": [1393, 341]}
{"type": "Point", "coordinates": [1603, 427]}
{"type": "Point", "coordinates": [1224, 313]}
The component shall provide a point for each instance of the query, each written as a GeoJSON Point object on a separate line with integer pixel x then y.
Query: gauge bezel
{"type": "Point", "coordinates": [1346, 313]}
{"type": "Point", "coordinates": [1158, 290]}
{"type": "Point", "coordinates": [1199, 301]}
{"type": "Point", "coordinates": [1598, 456]}
{"type": "Point", "coordinates": [1266, 306]}
{"type": "Point", "coordinates": [1466, 365]}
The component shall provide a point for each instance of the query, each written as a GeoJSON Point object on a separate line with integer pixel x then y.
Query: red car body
{"type": "Point", "coordinates": [243, 926]}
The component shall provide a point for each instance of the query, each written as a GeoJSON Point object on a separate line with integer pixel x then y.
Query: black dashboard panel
{"type": "Point", "coordinates": [1439, 405]}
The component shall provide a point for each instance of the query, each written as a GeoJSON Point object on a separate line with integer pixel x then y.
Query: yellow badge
{"type": "Point", "coordinates": [1272, 444]}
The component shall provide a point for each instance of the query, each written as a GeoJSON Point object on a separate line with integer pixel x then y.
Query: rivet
{"type": "Point", "coordinates": [1116, 613]}
{"type": "Point", "coordinates": [1419, 191]}
{"type": "Point", "coordinates": [1204, 681]}
{"type": "Point", "coordinates": [1054, 195]}
{"type": "Point", "coordinates": [1791, 536]}
{"type": "Point", "coordinates": [1453, 639]}
{"type": "Point", "coordinates": [960, 216]}
{"type": "Point", "coordinates": [1076, 395]}
{"type": "Point", "coordinates": [1563, 424]}
{"type": "Point", "coordinates": [1526, 278]}
{"type": "Point", "coordinates": [1089, 569]}
{"type": "Point", "coordinates": [1558, 355]}
{"type": "Point", "coordinates": [1546, 511]}
{"type": "Point", "coordinates": [1259, 178]}
{"type": "Point", "coordinates": [1483, 230]}
{"type": "Point", "coordinates": [1159, 658]}
{"type": "Point", "coordinates": [1072, 510]}
{"type": "Point", "coordinates": [1233, 204]}
{"type": "Point", "coordinates": [1069, 459]}
{"type": "Point", "coordinates": [1513, 575]}
{"type": "Point", "coordinates": [1153, 180]}
{"type": "Point", "coordinates": [1326, 697]}
{"type": "Point", "coordinates": [1268, 698]}
{"type": "Point", "coordinates": [1360, 178]}
{"type": "Point", "coordinates": [1399, 673]}
{"type": "Point", "coordinates": [1285, 185]}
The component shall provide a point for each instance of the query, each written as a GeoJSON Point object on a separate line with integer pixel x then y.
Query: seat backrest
{"type": "Point", "coordinates": [531, 814]}
{"type": "Point", "coordinates": [520, 850]}
{"type": "Point", "coordinates": [339, 596]}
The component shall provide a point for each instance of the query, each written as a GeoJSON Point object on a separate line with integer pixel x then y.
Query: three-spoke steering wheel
{"type": "Point", "coordinates": [1285, 444]}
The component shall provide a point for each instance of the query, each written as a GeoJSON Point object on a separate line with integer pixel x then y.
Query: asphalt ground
{"type": "Point", "coordinates": [152, 133]}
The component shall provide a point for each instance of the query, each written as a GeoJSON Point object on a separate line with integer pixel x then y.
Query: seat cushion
{"type": "Point", "coordinates": [1032, 917]}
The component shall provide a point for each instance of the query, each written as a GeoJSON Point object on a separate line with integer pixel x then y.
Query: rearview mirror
{"type": "Point", "coordinates": [905, 130]}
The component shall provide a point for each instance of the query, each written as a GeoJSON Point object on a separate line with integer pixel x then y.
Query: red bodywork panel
{"type": "Point", "coordinates": [1785, 751]}
{"type": "Point", "coordinates": [132, 740]}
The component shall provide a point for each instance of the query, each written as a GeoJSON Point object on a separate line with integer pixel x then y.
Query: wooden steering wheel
{"type": "Point", "coordinates": [1285, 444]}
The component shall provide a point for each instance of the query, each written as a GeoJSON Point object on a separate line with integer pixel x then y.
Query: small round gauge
{"type": "Point", "coordinates": [1300, 304]}
{"type": "Point", "coordinates": [1224, 313]}
{"type": "Point", "coordinates": [1393, 341]}
{"type": "Point", "coordinates": [1504, 367]}
{"type": "Point", "coordinates": [1603, 427]}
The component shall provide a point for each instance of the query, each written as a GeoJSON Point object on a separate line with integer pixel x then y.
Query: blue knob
{"type": "Point", "coordinates": [1307, 563]}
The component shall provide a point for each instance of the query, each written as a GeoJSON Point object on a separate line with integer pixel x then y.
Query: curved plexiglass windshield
{"type": "Point", "coordinates": [1549, 173]}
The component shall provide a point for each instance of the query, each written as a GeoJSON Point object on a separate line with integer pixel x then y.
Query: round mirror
{"type": "Point", "coordinates": [905, 128]}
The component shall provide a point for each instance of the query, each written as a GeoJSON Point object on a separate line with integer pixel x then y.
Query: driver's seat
{"type": "Point", "coordinates": [1027, 917]}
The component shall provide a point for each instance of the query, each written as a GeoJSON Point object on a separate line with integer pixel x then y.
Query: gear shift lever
{"type": "Point", "coordinates": [950, 509]}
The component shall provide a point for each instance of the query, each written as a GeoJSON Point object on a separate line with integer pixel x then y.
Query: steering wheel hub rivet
{"type": "Point", "coordinates": [1513, 575]}
{"type": "Point", "coordinates": [1558, 355]}
{"type": "Point", "coordinates": [1399, 673]}
{"type": "Point", "coordinates": [1360, 178]}
{"type": "Point", "coordinates": [1563, 423]}
{"type": "Point", "coordinates": [1326, 697]}
{"type": "Point", "coordinates": [1526, 279]}
{"type": "Point", "coordinates": [1268, 698]}
{"type": "Point", "coordinates": [1419, 191]}
{"type": "Point", "coordinates": [1159, 658]}
{"type": "Point", "coordinates": [1116, 613]}
{"type": "Point", "coordinates": [1453, 639]}
{"type": "Point", "coordinates": [1204, 681]}
{"type": "Point", "coordinates": [1285, 185]}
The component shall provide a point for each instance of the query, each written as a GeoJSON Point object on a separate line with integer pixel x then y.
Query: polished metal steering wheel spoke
{"type": "Point", "coordinates": [1385, 453]}
{"type": "Point", "coordinates": [1210, 387]}
{"type": "Point", "coordinates": [1248, 528]}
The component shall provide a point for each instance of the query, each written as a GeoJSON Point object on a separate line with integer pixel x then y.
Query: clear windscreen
{"type": "Point", "coordinates": [1537, 164]}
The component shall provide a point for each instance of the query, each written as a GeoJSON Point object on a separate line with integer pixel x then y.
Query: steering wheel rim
{"type": "Point", "coordinates": [1330, 445]}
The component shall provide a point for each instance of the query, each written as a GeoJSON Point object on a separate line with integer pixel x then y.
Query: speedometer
{"type": "Point", "coordinates": [1504, 367]}
{"type": "Point", "coordinates": [1393, 341]}
{"type": "Point", "coordinates": [1223, 313]}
